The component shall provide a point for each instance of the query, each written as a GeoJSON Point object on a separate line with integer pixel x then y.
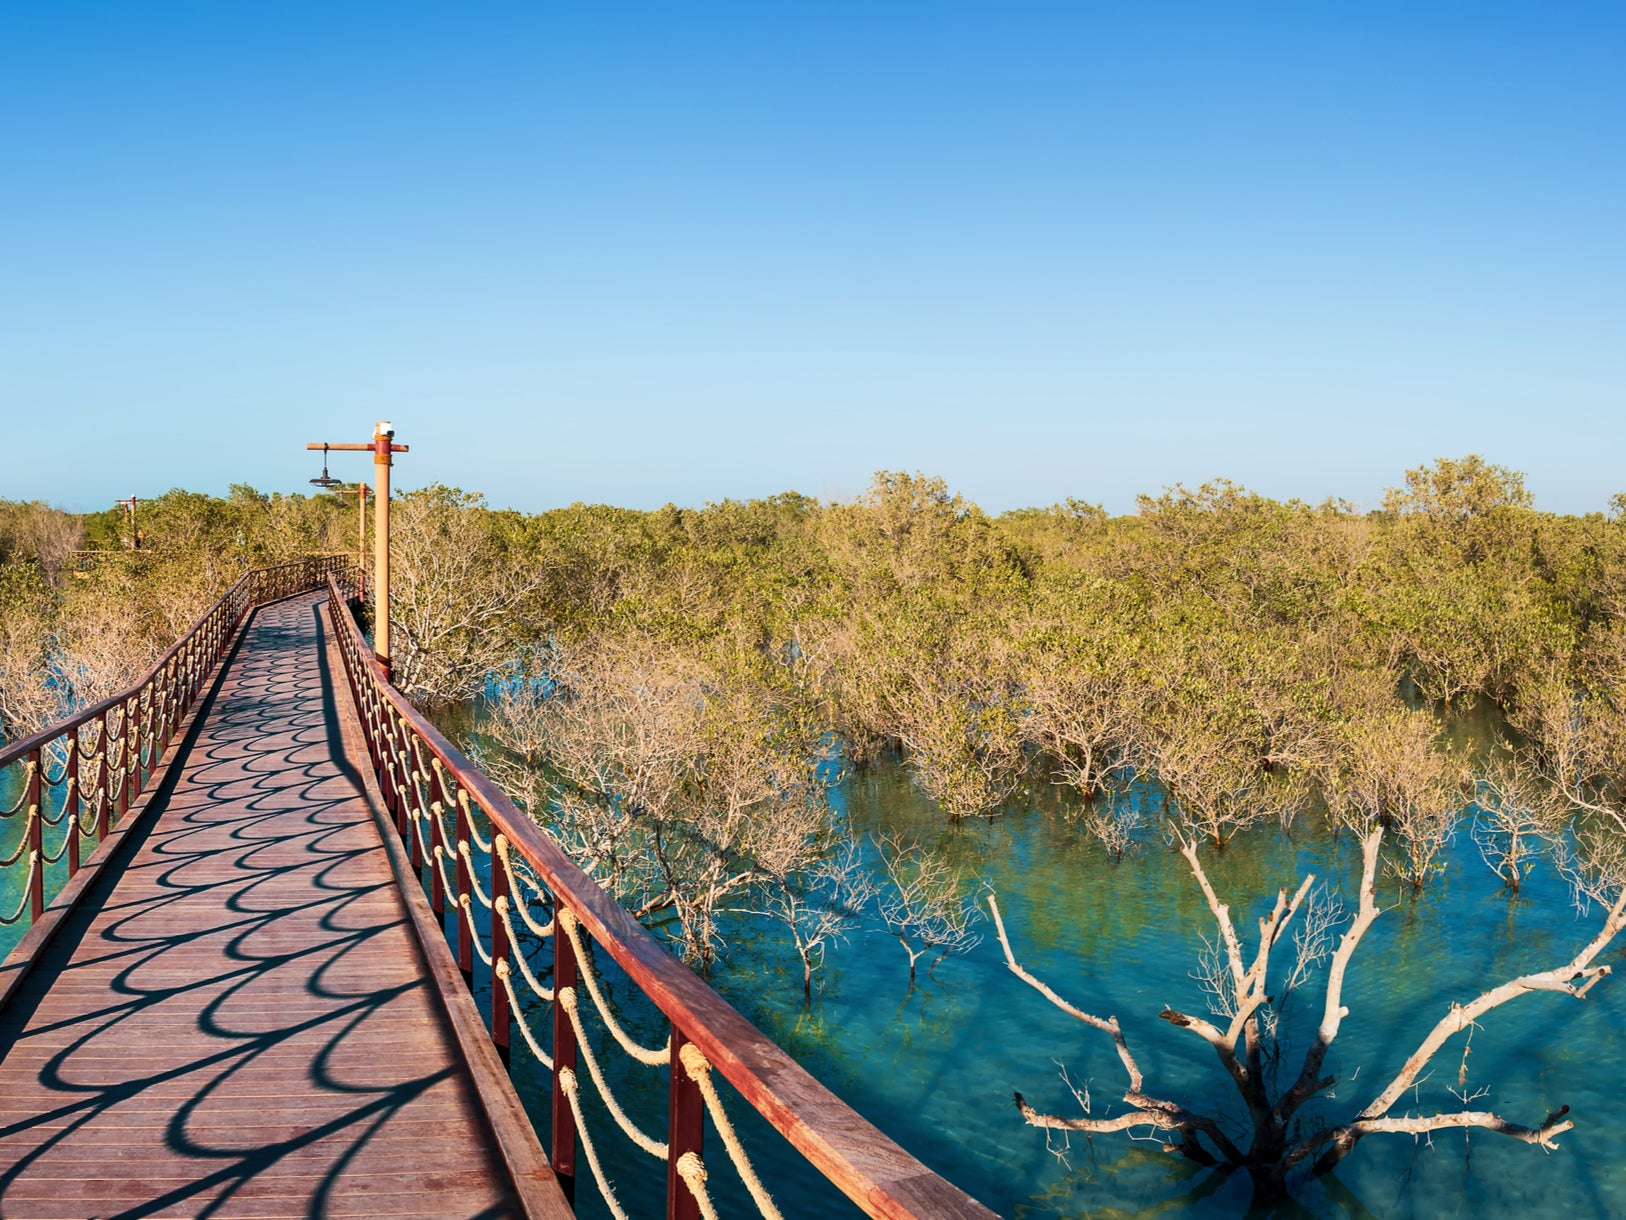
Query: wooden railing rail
{"type": "Point", "coordinates": [433, 792]}
{"type": "Point", "coordinates": [105, 756]}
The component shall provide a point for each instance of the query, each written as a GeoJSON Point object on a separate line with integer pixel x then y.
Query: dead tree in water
{"type": "Point", "coordinates": [819, 904]}
{"type": "Point", "coordinates": [1516, 817]}
{"type": "Point", "coordinates": [1280, 1139]}
{"type": "Point", "coordinates": [924, 903]}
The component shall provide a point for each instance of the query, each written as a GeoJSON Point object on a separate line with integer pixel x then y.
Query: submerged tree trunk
{"type": "Point", "coordinates": [1279, 1144]}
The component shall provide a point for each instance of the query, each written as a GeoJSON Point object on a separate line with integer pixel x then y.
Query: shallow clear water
{"type": "Point", "coordinates": [14, 877]}
{"type": "Point", "coordinates": [936, 1066]}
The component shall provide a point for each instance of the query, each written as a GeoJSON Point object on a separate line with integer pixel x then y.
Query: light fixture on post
{"type": "Point", "coordinates": [325, 480]}
{"type": "Point", "coordinates": [382, 447]}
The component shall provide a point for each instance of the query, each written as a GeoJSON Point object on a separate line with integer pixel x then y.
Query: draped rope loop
{"type": "Point", "coordinates": [655, 1148]}
{"type": "Point", "coordinates": [22, 797]}
{"type": "Point", "coordinates": [518, 1013]}
{"type": "Point", "coordinates": [571, 1089]}
{"type": "Point", "coordinates": [468, 820]}
{"type": "Point", "coordinates": [474, 878]}
{"type": "Point", "coordinates": [545, 993]}
{"type": "Point", "coordinates": [28, 886]}
{"type": "Point", "coordinates": [22, 842]}
{"type": "Point", "coordinates": [652, 1057]}
{"type": "Point", "coordinates": [699, 1068]}
{"type": "Point", "coordinates": [542, 930]}
{"type": "Point", "coordinates": [468, 916]}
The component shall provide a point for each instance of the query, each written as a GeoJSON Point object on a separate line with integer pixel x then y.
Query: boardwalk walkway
{"type": "Point", "coordinates": [238, 1021]}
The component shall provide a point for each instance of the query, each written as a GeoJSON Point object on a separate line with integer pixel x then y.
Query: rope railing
{"type": "Point", "coordinates": [437, 799]}
{"type": "Point", "coordinates": [95, 764]}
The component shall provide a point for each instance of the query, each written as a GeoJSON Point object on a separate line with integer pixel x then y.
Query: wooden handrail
{"type": "Point", "coordinates": [866, 1165]}
{"type": "Point", "coordinates": [318, 568]}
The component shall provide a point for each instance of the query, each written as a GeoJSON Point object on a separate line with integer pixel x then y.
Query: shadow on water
{"type": "Point", "coordinates": [241, 1017]}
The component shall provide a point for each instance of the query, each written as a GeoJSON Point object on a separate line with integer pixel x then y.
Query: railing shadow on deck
{"type": "Point", "coordinates": [106, 755]}
{"type": "Point", "coordinates": [278, 1004]}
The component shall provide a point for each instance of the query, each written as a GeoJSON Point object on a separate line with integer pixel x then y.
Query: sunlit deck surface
{"type": "Point", "coordinates": [238, 1022]}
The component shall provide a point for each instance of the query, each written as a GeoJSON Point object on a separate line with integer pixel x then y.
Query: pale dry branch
{"type": "Point", "coordinates": [924, 903]}
{"type": "Point", "coordinates": [1108, 1025]}
{"type": "Point", "coordinates": [1310, 1081]}
{"type": "Point", "coordinates": [1463, 1016]}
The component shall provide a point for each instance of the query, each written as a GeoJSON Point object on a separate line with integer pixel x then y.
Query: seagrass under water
{"type": "Point", "coordinates": [936, 1067]}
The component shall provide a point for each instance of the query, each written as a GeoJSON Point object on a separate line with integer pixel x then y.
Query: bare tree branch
{"type": "Point", "coordinates": [1108, 1026]}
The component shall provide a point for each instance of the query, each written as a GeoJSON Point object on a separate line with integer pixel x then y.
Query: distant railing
{"type": "Point", "coordinates": [87, 559]}
{"type": "Point", "coordinates": [434, 794]}
{"type": "Point", "coordinates": [105, 755]}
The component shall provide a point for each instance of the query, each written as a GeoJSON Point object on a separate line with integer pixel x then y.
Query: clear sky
{"type": "Point", "coordinates": [640, 253]}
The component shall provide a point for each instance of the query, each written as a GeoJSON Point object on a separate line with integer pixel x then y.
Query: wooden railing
{"type": "Point", "coordinates": [105, 755]}
{"type": "Point", "coordinates": [439, 800]}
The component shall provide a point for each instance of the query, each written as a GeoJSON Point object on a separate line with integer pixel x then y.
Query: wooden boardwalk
{"type": "Point", "coordinates": [239, 1021]}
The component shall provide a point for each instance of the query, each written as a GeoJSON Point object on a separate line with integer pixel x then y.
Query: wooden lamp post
{"type": "Point", "coordinates": [382, 447]}
{"type": "Point", "coordinates": [129, 507]}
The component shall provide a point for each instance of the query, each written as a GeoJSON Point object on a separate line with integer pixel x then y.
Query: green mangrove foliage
{"type": "Point", "coordinates": [1245, 654]}
{"type": "Point", "coordinates": [84, 611]}
{"type": "Point", "coordinates": [1242, 659]}
{"type": "Point", "coordinates": [674, 692]}
{"type": "Point", "coordinates": [461, 592]}
{"type": "Point", "coordinates": [680, 781]}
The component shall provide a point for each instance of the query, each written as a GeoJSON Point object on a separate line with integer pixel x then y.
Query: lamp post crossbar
{"type": "Point", "coordinates": [382, 448]}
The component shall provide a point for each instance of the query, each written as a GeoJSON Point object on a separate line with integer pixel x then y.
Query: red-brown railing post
{"type": "Point", "coordinates": [465, 917]}
{"type": "Point", "coordinates": [437, 879]}
{"type": "Point", "coordinates": [172, 685]}
{"type": "Point", "coordinates": [149, 723]}
{"type": "Point", "coordinates": [369, 713]}
{"type": "Point", "coordinates": [564, 1055]}
{"type": "Point", "coordinates": [161, 707]}
{"type": "Point", "coordinates": [415, 840]}
{"type": "Point", "coordinates": [685, 1129]}
{"type": "Point", "coordinates": [124, 762]}
{"type": "Point", "coordinates": [188, 675]}
{"type": "Point", "coordinates": [400, 747]}
{"type": "Point", "coordinates": [36, 833]}
{"type": "Point", "coordinates": [73, 798]}
{"type": "Point", "coordinates": [104, 810]}
{"type": "Point", "coordinates": [133, 739]}
{"type": "Point", "coordinates": [499, 944]}
{"type": "Point", "coordinates": [435, 783]}
{"type": "Point", "coordinates": [389, 758]}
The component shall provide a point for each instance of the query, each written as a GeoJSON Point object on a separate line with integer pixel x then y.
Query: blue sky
{"type": "Point", "coordinates": [685, 252]}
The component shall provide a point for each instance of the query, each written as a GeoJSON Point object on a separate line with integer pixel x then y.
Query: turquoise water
{"type": "Point", "coordinates": [13, 879]}
{"type": "Point", "coordinates": [935, 1066]}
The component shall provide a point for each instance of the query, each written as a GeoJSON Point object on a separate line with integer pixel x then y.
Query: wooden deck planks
{"type": "Point", "coordinates": [238, 1022]}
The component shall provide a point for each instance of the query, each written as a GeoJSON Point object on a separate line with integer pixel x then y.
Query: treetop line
{"type": "Point", "coordinates": [673, 693]}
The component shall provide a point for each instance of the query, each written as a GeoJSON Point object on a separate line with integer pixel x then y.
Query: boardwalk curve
{"type": "Point", "coordinates": [238, 1020]}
